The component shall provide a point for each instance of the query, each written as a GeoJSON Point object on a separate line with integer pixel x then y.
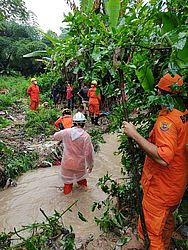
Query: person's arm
{"type": "Point", "coordinates": [79, 94]}
{"type": "Point", "coordinates": [29, 90]}
{"type": "Point", "coordinates": [149, 148]}
{"type": "Point", "coordinates": [58, 136]}
{"type": "Point", "coordinates": [89, 154]}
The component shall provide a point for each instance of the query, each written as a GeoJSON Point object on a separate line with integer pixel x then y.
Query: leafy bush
{"type": "Point", "coordinates": [96, 138]}
{"type": "Point", "coordinates": [41, 122]}
{"type": "Point", "coordinates": [16, 89]}
{"type": "Point", "coordinates": [7, 101]}
{"type": "Point", "coordinates": [4, 122]}
{"type": "Point", "coordinates": [16, 162]}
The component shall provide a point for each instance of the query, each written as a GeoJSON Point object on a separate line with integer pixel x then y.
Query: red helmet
{"type": "Point", "coordinates": [167, 80]}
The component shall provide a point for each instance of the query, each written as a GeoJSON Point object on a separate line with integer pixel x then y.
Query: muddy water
{"type": "Point", "coordinates": [36, 189]}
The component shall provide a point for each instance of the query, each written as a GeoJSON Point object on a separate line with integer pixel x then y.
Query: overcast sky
{"type": "Point", "coordinates": [49, 12]}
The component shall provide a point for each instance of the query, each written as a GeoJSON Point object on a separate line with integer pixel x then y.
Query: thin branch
{"type": "Point", "coordinates": [146, 47]}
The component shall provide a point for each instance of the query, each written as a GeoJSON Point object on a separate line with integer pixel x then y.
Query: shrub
{"type": "Point", "coordinates": [41, 122]}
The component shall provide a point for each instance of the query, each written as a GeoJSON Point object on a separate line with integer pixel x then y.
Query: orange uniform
{"type": "Point", "coordinates": [33, 91]}
{"type": "Point", "coordinates": [93, 101]}
{"type": "Point", "coordinates": [164, 187]}
{"type": "Point", "coordinates": [65, 120]}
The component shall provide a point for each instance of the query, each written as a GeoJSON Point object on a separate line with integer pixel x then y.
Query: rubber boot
{"type": "Point", "coordinates": [96, 121]}
{"type": "Point", "coordinates": [82, 183]}
{"type": "Point", "coordinates": [67, 188]}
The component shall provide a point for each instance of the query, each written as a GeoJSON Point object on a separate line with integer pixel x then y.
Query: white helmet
{"type": "Point", "coordinates": [79, 118]}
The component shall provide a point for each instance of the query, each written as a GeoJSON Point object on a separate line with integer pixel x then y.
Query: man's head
{"type": "Point", "coordinates": [66, 111]}
{"type": "Point", "coordinates": [167, 81]}
{"type": "Point", "coordinates": [93, 83]}
{"type": "Point", "coordinates": [34, 80]}
{"type": "Point", "coordinates": [79, 120]}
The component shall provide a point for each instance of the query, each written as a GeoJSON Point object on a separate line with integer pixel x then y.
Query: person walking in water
{"type": "Point", "coordinates": [165, 172]}
{"type": "Point", "coordinates": [33, 91]}
{"type": "Point", "coordinates": [78, 155]}
{"type": "Point", "coordinates": [94, 101]}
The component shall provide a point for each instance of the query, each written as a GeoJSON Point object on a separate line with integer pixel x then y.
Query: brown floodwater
{"type": "Point", "coordinates": [36, 189]}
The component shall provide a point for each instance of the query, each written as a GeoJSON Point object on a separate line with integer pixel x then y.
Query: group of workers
{"type": "Point", "coordinates": [90, 98]}
{"type": "Point", "coordinates": [165, 172]}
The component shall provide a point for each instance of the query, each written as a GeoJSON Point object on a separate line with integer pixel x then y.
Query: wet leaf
{"type": "Point", "coordinates": [80, 215]}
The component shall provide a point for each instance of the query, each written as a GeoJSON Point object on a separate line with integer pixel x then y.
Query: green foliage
{"type": "Point", "coordinates": [113, 11]}
{"type": "Point", "coordinates": [15, 88]}
{"type": "Point", "coordinates": [116, 118]}
{"type": "Point", "coordinates": [116, 207]}
{"type": "Point", "coordinates": [13, 9]}
{"type": "Point", "coordinates": [96, 138]}
{"type": "Point", "coordinates": [41, 122]}
{"type": "Point", "coordinates": [7, 101]}
{"type": "Point", "coordinates": [4, 122]}
{"type": "Point", "coordinates": [86, 5]}
{"type": "Point", "coordinates": [17, 40]}
{"type": "Point", "coordinates": [16, 161]}
{"type": "Point", "coordinates": [51, 234]}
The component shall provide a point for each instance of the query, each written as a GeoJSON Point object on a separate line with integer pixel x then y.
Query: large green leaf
{"type": "Point", "coordinates": [181, 57]}
{"type": "Point", "coordinates": [145, 76]}
{"type": "Point", "coordinates": [169, 21]}
{"type": "Point", "coordinates": [86, 5]}
{"type": "Point", "coordinates": [35, 53]}
{"type": "Point", "coordinates": [113, 10]}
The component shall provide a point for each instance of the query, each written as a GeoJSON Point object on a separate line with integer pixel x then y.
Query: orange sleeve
{"type": "Point", "coordinates": [29, 90]}
{"type": "Point", "coordinates": [165, 138]}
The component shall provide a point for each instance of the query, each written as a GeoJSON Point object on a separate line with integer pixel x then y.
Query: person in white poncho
{"type": "Point", "coordinates": [78, 154]}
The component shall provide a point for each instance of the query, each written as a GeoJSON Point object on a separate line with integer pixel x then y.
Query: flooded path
{"type": "Point", "coordinates": [36, 189]}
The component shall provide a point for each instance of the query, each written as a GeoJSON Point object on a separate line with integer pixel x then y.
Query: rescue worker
{"type": "Point", "coordinates": [165, 172]}
{"type": "Point", "coordinates": [65, 121]}
{"type": "Point", "coordinates": [83, 93]}
{"type": "Point", "coordinates": [77, 155]}
{"type": "Point", "coordinates": [33, 91]}
{"type": "Point", "coordinates": [94, 101]}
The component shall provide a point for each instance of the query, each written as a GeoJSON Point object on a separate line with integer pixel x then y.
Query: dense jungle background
{"type": "Point", "coordinates": [127, 46]}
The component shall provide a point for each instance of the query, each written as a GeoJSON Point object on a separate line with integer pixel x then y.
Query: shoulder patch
{"type": "Point", "coordinates": [164, 126]}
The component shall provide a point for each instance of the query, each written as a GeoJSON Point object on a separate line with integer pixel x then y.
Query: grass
{"type": "Point", "coordinates": [4, 122]}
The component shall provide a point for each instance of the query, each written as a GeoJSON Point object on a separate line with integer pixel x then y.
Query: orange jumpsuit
{"type": "Point", "coordinates": [66, 121]}
{"type": "Point", "coordinates": [93, 101]}
{"type": "Point", "coordinates": [33, 91]}
{"type": "Point", "coordinates": [164, 187]}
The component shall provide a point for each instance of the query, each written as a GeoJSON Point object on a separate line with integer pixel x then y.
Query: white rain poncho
{"type": "Point", "coordinates": [78, 154]}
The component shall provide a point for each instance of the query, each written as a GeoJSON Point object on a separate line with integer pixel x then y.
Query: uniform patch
{"type": "Point", "coordinates": [164, 126]}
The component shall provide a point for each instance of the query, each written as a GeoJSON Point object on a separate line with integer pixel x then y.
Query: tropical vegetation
{"type": "Point", "coordinates": [126, 46]}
